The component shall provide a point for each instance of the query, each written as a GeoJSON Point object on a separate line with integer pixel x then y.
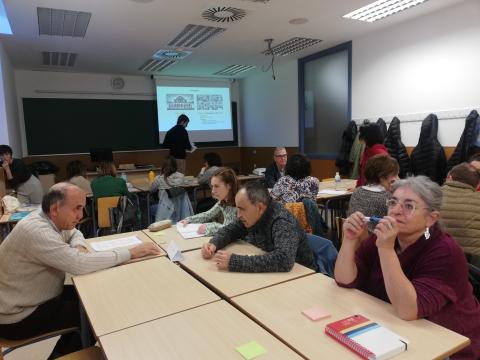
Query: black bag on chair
{"type": "Point", "coordinates": [175, 191]}
{"type": "Point", "coordinates": [126, 215]}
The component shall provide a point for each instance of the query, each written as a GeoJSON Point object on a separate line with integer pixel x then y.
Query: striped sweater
{"type": "Point", "coordinates": [34, 259]}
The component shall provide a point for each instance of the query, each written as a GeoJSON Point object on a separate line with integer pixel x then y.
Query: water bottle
{"type": "Point", "coordinates": [338, 180]}
{"type": "Point", "coordinates": [124, 176]}
{"type": "Point", "coordinates": [151, 176]}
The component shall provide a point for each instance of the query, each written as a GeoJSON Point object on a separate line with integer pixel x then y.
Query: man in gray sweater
{"type": "Point", "coordinates": [33, 261]}
{"type": "Point", "coordinates": [266, 224]}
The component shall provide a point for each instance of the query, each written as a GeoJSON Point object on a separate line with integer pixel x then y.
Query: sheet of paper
{"type": "Point", "coordinates": [251, 350]}
{"type": "Point", "coordinates": [190, 231]}
{"type": "Point", "coordinates": [108, 245]}
{"type": "Point", "coordinates": [332, 192]}
{"type": "Point", "coordinates": [315, 313]}
{"type": "Point", "coordinates": [174, 252]}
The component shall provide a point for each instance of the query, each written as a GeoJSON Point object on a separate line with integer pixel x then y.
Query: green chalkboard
{"type": "Point", "coordinates": [66, 126]}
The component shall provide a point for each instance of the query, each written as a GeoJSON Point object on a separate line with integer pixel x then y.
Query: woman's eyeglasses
{"type": "Point", "coordinates": [408, 207]}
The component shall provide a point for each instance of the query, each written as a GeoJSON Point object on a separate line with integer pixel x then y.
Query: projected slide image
{"type": "Point", "coordinates": [207, 107]}
{"type": "Point", "coordinates": [180, 102]}
{"type": "Point", "coordinates": [209, 102]}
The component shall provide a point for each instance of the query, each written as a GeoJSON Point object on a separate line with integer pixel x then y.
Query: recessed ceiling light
{"type": "Point", "coordinates": [298, 21]}
{"type": "Point", "coordinates": [381, 9]}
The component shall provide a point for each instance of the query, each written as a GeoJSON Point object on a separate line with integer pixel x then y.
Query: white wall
{"type": "Point", "coordinates": [269, 108]}
{"type": "Point", "coordinates": [9, 126]}
{"type": "Point", "coordinates": [49, 84]}
{"type": "Point", "coordinates": [430, 64]}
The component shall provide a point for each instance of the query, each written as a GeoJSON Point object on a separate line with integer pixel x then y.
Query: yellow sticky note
{"type": "Point", "coordinates": [251, 350]}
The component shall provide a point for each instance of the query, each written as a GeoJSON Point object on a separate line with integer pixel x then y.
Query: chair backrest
{"type": "Point", "coordinates": [474, 277]}
{"type": "Point", "coordinates": [103, 204]}
{"type": "Point", "coordinates": [297, 209]}
{"type": "Point", "coordinates": [10, 345]}
{"type": "Point", "coordinates": [339, 222]}
{"type": "Point", "coordinates": [325, 254]}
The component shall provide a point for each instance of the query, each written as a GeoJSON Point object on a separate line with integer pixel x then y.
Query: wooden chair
{"type": "Point", "coordinates": [339, 222]}
{"type": "Point", "coordinates": [15, 344]}
{"type": "Point", "coordinates": [103, 217]}
{"type": "Point", "coordinates": [90, 353]}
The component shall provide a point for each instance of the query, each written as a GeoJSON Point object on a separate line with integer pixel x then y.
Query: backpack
{"type": "Point", "coordinates": [126, 215]}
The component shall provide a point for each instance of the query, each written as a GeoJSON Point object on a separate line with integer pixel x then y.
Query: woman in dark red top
{"type": "Point", "coordinates": [412, 263]}
{"type": "Point", "coordinates": [371, 134]}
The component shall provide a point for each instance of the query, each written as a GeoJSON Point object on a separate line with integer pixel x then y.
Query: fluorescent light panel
{"type": "Point", "coordinates": [381, 9]}
{"type": "Point", "coordinates": [4, 23]}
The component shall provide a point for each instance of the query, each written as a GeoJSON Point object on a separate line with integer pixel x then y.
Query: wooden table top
{"type": "Point", "coordinates": [139, 234]}
{"type": "Point", "coordinates": [124, 296]}
{"type": "Point", "coordinates": [232, 284]}
{"type": "Point", "coordinates": [163, 238]}
{"type": "Point", "coordinates": [279, 309]}
{"type": "Point", "coordinates": [211, 331]}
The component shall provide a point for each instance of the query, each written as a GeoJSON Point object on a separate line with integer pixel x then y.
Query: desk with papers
{"type": "Point", "coordinates": [164, 237]}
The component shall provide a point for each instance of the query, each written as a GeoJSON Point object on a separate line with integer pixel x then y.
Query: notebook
{"type": "Point", "coordinates": [368, 339]}
{"type": "Point", "coordinates": [19, 215]}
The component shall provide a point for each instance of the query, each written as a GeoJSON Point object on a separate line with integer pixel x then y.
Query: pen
{"type": "Point", "coordinates": [373, 219]}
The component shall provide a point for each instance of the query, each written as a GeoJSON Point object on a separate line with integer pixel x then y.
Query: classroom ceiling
{"type": "Point", "coordinates": [122, 35]}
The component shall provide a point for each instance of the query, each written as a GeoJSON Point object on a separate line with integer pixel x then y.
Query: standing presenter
{"type": "Point", "coordinates": [177, 141]}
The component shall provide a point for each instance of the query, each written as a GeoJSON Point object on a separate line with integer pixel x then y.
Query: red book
{"type": "Point", "coordinates": [368, 339]}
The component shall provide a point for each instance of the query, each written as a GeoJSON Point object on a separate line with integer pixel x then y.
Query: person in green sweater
{"type": "Point", "coordinates": [107, 184]}
{"type": "Point", "coordinates": [224, 186]}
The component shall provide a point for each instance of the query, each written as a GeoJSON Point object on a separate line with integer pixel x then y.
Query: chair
{"type": "Point", "coordinates": [339, 222]}
{"type": "Point", "coordinates": [90, 353]}
{"type": "Point", "coordinates": [297, 209]}
{"type": "Point", "coordinates": [103, 216]}
{"type": "Point", "coordinates": [325, 254]}
{"type": "Point", "coordinates": [474, 277]}
{"type": "Point", "coordinates": [12, 345]}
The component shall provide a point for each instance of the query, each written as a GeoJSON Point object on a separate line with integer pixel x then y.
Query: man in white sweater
{"type": "Point", "coordinates": [33, 261]}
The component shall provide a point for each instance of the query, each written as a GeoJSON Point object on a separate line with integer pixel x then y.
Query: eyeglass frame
{"type": "Point", "coordinates": [281, 155]}
{"type": "Point", "coordinates": [402, 205]}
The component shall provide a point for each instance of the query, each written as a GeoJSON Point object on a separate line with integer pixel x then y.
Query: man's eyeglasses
{"type": "Point", "coordinates": [281, 156]}
{"type": "Point", "coordinates": [408, 207]}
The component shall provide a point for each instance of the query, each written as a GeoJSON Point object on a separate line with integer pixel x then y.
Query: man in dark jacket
{"type": "Point", "coordinates": [276, 169]}
{"type": "Point", "coordinates": [178, 142]}
{"type": "Point", "coordinates": [267, 225]}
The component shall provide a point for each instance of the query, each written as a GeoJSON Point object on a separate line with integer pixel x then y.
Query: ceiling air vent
{"type": "Point", "coordinates": [171, 54]}
{"type": "Point", "coordinates": [234, 70]}
{"type": "Point", "coordinates": [291, 46]}
{"type": "Point", "coordinates": [57, 22]}
{"type": "Point", "coordinates": [224, 14]}
{"type": "Point", "coordinates": [153, 65]}
{"type": "Point", "coordinates": [64, 59]}
{"type": "Point", "coordinates": [192, 36]}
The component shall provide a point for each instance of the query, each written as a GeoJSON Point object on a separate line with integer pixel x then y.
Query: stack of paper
{"type": "Point", "coordinates": [108, 245]}
{"type": "Point", "coordinates": [189, 231]}
{"type": "Point", "coordinates": [332, 192]}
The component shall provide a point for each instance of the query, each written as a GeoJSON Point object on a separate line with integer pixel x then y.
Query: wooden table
{"type": "Point", "coordinates": [232, 284]}
{"type": "Point", "coordinates": [139, 234]}
{"type": "Point", "coordinates": [279, 309]}
{"type": "Point", "coordinates": [210, 331]}
{"type": "Point", "coordinates": [327, 200]}
{"type": "Point", "coordinates": [124, 296]}
{"type": "Point", "coordinates": [163, 238]}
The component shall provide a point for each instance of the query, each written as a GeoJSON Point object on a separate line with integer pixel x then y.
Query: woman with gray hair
{"type": "Point", "coordinates": [412, 263]}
